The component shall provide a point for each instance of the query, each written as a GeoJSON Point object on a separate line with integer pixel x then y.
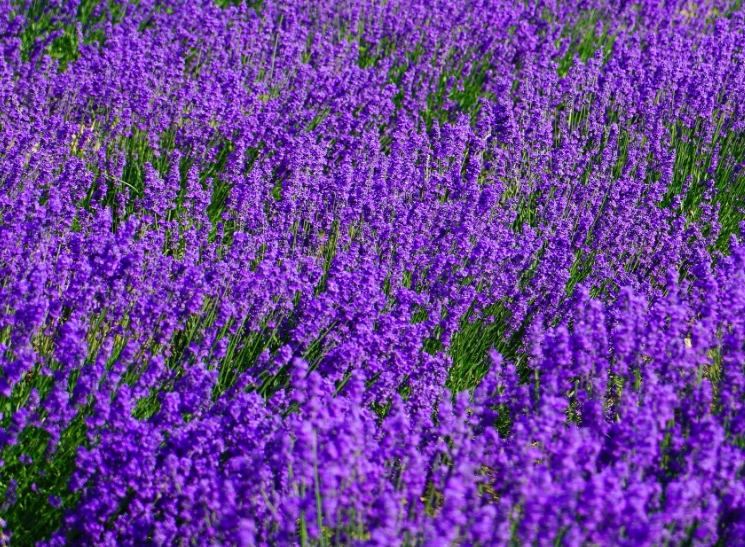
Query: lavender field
{"type": "Point", "coordinates": [372, 273]}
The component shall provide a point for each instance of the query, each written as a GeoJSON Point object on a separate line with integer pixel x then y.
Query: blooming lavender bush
{"type": "Point", "coordinates": [372, 273]}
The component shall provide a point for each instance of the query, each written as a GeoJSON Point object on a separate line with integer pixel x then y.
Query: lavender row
{"type": "Point", "coordinates": [248, 251]}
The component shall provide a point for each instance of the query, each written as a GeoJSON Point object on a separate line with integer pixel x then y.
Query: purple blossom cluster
{"type": "Point", "coordinates": [372, 273]}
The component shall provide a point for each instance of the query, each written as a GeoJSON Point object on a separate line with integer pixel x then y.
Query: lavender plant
{"type": "Point", "coordinates": [362, 273]}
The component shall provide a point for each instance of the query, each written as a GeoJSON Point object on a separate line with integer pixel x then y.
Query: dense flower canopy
{"type": "Point", "coordinates": [305, 272]}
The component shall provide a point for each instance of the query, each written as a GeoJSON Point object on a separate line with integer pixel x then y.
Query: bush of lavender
{"type": "Point", "coordinates": [415, 273]}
